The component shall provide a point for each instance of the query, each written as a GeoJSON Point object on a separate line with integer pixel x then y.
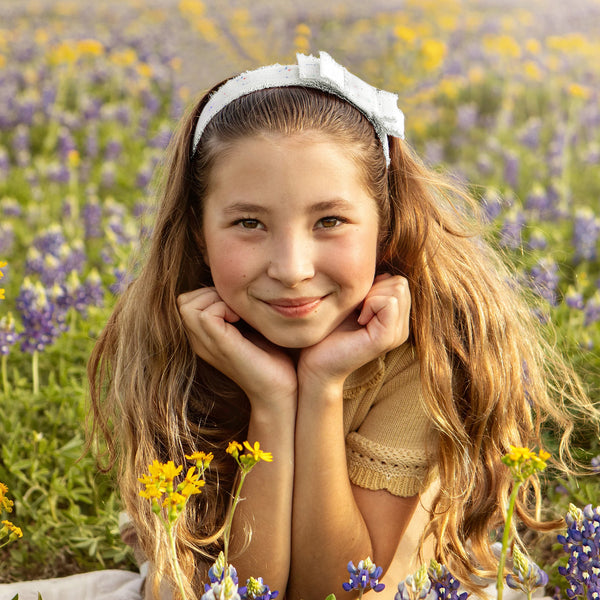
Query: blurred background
{"type": "Point", "coordinates": [504, 95]}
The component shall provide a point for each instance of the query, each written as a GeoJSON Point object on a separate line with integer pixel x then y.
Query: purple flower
{"type": "Point", "coordinates": [42, 316]}
{"type": "Point", "coordinates": [365, 574]}
{"type": "Point", "coordinates": [595, 462]}
{"type": "Point", "coordinates": [582, 545]}
{"type": "Point", "coordinates": [511, 169]}
{"type": "Point", "coordinates": [544, 279]}
{"type": "Point", "coordinates": [8, 335]}
{"type": "Point", "coordinates": [574, 298]}
{"type": "Point", "coordinates": [592, 310]}
{"type": "Point", "coordinates": [255, 589]}
{"type": "Point", "coordinates": [526, 575]}
{"type": "Point", "coordinates": [586, 232]}
{"type": "Point", "coordinates": [414, 587]}
{"type": "Point", "coordinates": [443, 583]}
{"type": "Point", "coordinates": [510, 234]}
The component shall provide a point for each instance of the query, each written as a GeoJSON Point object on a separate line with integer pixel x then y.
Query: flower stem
{"type": "Point", "coordinates": [5, 385]}
{"type": "Point", "coordinates": [505, 539]}
{"type": "Point", "coordinates": [35, 369]}
{"type": "Point", "coordinates": [174, 560]}
{"type": "Point", "coordinates": [227, 532]}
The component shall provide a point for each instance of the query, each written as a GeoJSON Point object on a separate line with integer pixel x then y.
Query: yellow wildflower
{"type": "Point", "coordinates": [174, 500]}
{"type": "Point", "coordinates": [524, 462]}
{"type": "Point", "coordinates": [533, 71]}
{"type": "Point", "coordinates": [73, 159]}
{"type": "Point", "coordinates": [433, 53]}
{"type": "Point", "coordinates": [533, 46]}
{"type": "Point", "coordinates": [303, 29]}
{"type": "Point", "coordinates": [234, 449]}
{"type": "Point", "coordinates": [13, 531]}
{"type": "Point", "coordinates": [5, 503]}
{"type": "Point", "coordinates": [2, 294]}
{"type": "Point", "coordinates": [202, 459]}
{"type": "Point", "coordinates": [89, 46]}
{"type": "Point", "coordinates": [257, 453]}
{"type": "Point", "coordinates": [579, 91]}
{"type": "Point", "coordinates": [2, 265]}
{"type": "Point", "coordinates": [145, 70]}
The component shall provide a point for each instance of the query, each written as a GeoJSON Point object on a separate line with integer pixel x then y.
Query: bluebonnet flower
{"type": "Point", "coordinates": [511, 169]}
{"type": "Point", "coordinates": [113, 150]}
{"type": "Point", "coordinates": [50, 240]}
{"type": "Point", "coordinates": [7, 238]}
{"type": "Point", "coordinates": [537, 241]}
{"type": "Point", "coordinates": [65, 143]}
{"type": "Point", "coordinates": [92, 218]}
{"type": "Point", "coordinates": [92, 146]}
{"type": "Point", "coordinates": [4, 163]}
{"type": "Point", "coordinates": [443, 583]}
{"type": "Point", "coordinates": [42, 319]}
{"type": "Point", "coordinates": [544, 279]}
{"type": "Point", "coordinates": [10, 207]}
{"type": "Point", "coordinates": [510, 234]}
{"type": "Point", "coordinates": [595, 462]}
{"type": "Point", "coordinates": [108, 174]}
{"type": "Point", "coordinates": [219, 571]}
{"type": "Point", "coordinates": [92, 290]}
{"type": "Point", "coordinates": [256, 589]}
{"type": "Point", "coordinates": [582, 544]}
{"type": "Point", "coordinates": [592, 309]}
{"type": "Point", "coordinates": [366, 573]}
{"type": "Point", "coordinates": [530, 135]}
{"type": "Point", "coordinates": [586, 233]}
{"type": "Point", "coordinates": [8, 334]}
{"type": "Point", "coordinates": [466, 116]}
{"type": "Point", "coordinates": [414, 587]}
{"type": "Point", "coordinates": [574, 298]}
{"type": "Point", "coordinates": [224, 590]}
{"type": "Point", "coordinates": [539, 201]}
{"type": "Point", "coordinates": [526, 575]}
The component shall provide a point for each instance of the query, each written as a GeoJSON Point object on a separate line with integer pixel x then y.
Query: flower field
{"type": "Point", "coordinates": [503, 95]}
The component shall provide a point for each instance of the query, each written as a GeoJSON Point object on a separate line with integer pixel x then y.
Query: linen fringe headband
{"type": "Point", "coordinates": [323, 73]}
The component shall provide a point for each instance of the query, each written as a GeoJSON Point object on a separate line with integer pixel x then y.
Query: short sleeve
{"type": "Point", "coordinates": [392, 447]}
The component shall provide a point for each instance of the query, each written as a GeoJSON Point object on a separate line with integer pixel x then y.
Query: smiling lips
{"type": "Point", "coordinates": [294, 307]}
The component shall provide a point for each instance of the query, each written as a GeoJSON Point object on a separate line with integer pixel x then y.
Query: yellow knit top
{"type": "Point", "coordinates": [390, 443]}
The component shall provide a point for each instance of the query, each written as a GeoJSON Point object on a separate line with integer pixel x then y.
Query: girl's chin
{"type": "Point", "coordinates": [290, 340]}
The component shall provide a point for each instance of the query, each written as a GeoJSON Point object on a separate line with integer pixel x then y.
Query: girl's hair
{"type": "Point", "coordinates": [488, 379]}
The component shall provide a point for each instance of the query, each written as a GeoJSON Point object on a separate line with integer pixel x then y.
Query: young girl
{"type": "Point", "coordinates": [311, 285]}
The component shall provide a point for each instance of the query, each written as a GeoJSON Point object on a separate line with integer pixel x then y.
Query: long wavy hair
{"type": "Point", "coordinates": [488, 378]}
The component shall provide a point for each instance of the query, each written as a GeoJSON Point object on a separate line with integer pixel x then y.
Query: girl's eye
{"type": "Point", "coordinates": [248, 223]}
{"type": "Point", "coordinates": [329, 222]}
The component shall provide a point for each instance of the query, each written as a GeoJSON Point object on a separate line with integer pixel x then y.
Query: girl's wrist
{"type": "Point", "coordinates": [320, 390]}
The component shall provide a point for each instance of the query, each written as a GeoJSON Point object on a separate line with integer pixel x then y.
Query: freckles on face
{"type": "Point", "coordinates": [291, 235]}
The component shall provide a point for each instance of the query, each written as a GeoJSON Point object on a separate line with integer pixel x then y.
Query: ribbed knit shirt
{"type": "Point", "coordinates": [389, 439]}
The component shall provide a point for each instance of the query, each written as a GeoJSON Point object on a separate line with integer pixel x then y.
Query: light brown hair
{"type": "Point", "coordinates": [489, 380]}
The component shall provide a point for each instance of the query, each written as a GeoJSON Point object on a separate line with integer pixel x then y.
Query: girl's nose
{"type": "Point", "coordinates": [291, 261]}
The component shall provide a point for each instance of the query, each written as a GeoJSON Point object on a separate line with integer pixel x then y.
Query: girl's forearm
{"type": "Point", "coordinates": [266, 508]}
{"type": "Point", "coordinates": [327, 527]}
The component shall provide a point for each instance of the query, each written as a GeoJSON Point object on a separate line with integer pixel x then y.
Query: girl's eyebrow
{"type": "Point", "coordinates": [325, 205]}
{"type": "Point", "coordinates": [244, 207]}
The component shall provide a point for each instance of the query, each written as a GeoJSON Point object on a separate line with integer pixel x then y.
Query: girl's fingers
{"type": "Point", "coordinates": [395, 289]}
{"type": "Point", "coordinates": [205, 299]}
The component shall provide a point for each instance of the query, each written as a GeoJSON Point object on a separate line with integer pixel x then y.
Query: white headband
{"type": "Point", "coordinates": [322, 73]}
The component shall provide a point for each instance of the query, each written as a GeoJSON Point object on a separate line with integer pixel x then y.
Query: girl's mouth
{"type": "Point", "coordinates": [294, 307]}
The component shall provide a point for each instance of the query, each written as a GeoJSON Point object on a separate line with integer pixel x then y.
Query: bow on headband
{"type": "Point", "coordinates": [322, 73]}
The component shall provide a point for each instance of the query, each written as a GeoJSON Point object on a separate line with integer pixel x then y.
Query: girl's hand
{"type": "Point", "coordinates": [263, 371]}
{"type": "Point", "coordinates": [383, 324]}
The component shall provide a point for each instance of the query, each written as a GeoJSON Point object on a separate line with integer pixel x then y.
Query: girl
{"type": "Point", "coordinates": [311, 285]}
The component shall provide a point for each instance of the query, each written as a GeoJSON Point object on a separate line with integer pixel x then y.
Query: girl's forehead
{"type": "Point", "coordinates": [270, 151]}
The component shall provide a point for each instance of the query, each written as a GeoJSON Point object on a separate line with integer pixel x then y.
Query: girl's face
{"type": "Point", "coordinates": [291, 235]}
